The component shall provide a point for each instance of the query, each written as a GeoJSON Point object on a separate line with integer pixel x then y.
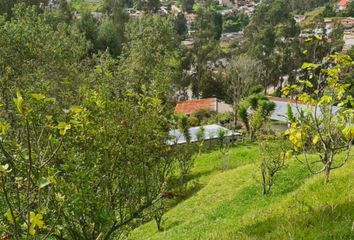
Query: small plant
{"type": "Point", "coordinates": [224, 149]}
{"type": "Point", "coordinates": [273, 155]}
{"type": "Point", "coordinates": [200, 139]}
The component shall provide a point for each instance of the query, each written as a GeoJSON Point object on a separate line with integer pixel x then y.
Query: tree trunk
{"type": "Point", "coordinates": [264, 187]}
{"type": "Point", "coordinates": [327, 172]}
{"type": "Point", "coordinates": [235, 114]}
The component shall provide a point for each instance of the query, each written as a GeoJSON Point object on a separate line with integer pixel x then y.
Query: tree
{"type": "Point", "coordinates": [150, 57]}
{"type": "Point", "coordinates": [107, 37]}
{"type": "Point", "coordinates": [6, 6]}
{"type": "Point", "coordinates": [88, 25]}
{"type": "Point", "coordinates": [187, 5]}
{"type": "Point", "coordinates": [83, 153]}
{"type": "Point", "coordinates": [205, 48]}
{"type": "Point", "coordinates": [185, 152]}
{"type": "Point", "coordinates": [255, 111]}
{"type": "Point", "coordinates": [272, 38]}
{"type": "Point", "coordinates": [39, 57]}
{"type": "Point", "coordinates": [242, 73]}
{"type": "Point", "coordinates": [149, 6]}
{"type": "Point", "coordinates": [181, 25]}
{"type": "Point", "coordinates": [329, 11]}
{"type": "Point", "coordinates": [27, 175]}
{"type": "Point", "coordinates": [273, 154]}
{"type": "Point", "coordinates": [324, 126]}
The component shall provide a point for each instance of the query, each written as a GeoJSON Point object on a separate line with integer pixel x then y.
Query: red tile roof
{"type": "Point", "coordinates": [190, 105]}
{"type": "Point", "coordinates": [343, 3]}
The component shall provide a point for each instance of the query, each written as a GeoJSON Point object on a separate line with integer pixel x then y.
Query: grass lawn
{"type": "Point", "coordinates": [229, 205]}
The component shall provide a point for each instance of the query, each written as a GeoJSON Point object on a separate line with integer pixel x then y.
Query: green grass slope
{"type": "Point", "coordinates": [229, 204]}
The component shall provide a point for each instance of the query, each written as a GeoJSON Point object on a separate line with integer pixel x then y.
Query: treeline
{"type": "Point", "coordinates": [301, 6]}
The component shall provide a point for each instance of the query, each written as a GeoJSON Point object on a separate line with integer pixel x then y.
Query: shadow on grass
{"type": "Point", "coordinates": [325, 223]}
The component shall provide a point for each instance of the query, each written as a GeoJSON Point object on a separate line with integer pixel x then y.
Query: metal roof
{"type": "Point", "coordinates": [210, 132]}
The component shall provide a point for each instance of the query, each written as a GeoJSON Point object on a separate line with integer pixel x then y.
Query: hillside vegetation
{"type": "Point", "coordinates": [230, 205]}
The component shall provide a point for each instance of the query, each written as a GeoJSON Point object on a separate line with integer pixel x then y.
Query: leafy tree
{"type": "Point", "coordinates": [254, 111]}
{"type": "Point", "coordinates": [235, 22]}
{"type": "Point", "coordinates": [107, 37]}
{"type": "Point", "coordinates": [88, 25]}
{"type": "Point", "coordinates": [205, 48]}
{"type": "Point", "coordinates": [83, 154]}
{"type": "Point", "coordinates": [273, 154]}
{"type": "Point", "coordinates": [38, 57]}
{"type": "Point", "coordinates": [181, 25]}
{"type": "Point", "coordinates": [185, 153]}
{"type": "Point", "coordinates": [149, 6]}
{"type": "Point", "coordinates": [29, 144]}
{"type": "Point", "coordinates": [150, 57]}
{"type": "Point", "coordinates": [322, 127]}
{"type": "Point", "coordinates": [349, 10]}
{"type": "Point", "coordinates": [6, 6]}
{"type": "Point", "coordinates": [242, 73]}
{"type": "Point", "coordinates": [272, 39]}
{"type": "Point", "coordinates": [329, 11]}
{"type": "Point", "coordinates": [187, 5]}
{"type": "Point", "coordinates": [115, 9]}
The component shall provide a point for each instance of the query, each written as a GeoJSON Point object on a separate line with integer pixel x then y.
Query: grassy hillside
{"type": "Point", "coordinates": [229, 204]}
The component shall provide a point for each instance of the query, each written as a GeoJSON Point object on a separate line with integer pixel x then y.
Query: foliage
{"type": "Point", "coordinates": [150, 57]}
{"type": "Point", "coordinates": [273, 154]}
{"type": "Point", "coordinates": [235, 22]}
{"type": "Point", "coordinates": [242, 73]}
{"type": "Point", "coordinates": [202, 114]}
{"type": "Point", "coordinates": [187, 5]}
{"type": "Point", "coordinates": [207, 26]}
{"type": "Point", "coordinates": [272, 38]}
{"type": "Point", "coordinates": [84, 154]}
{"type": "Point", "coordinates": [323, 125]}
{"type": "Point", "coordinates": [254, 112]}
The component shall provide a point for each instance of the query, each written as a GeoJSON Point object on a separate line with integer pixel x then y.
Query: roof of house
{"type": "Point", "coordinates": [281, 108]}
{"type": "Point", "coordinates": [210, 132]}
{"type": "Point", "coordinates": [190, 105]}
{"type": "Point", "coordinates": [343, 3]}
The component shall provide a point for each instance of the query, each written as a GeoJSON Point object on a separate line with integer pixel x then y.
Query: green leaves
{"type": "Point", "coordinates": [36, 222]}
{"type": "Point", "coordinates": [5, 168]}
{"type": "Point", "coordinates": [325, 100]}
{"type": "Point", "coordinates": [43, 182]}
{"type": "Point", "coordinates": [309, 66]}
{"type": "Point", "coordinates": [63, 127]}
{"type": "Point", "coordinates": [4, 126]}
{"type": "Point", "coordinates": [19, 103]}
{"type": "Point", "coordinates": [348, 132]}
{"type": "Point", "coordinates": [38, 96]}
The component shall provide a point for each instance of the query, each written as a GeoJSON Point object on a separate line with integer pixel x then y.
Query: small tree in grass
{"type": "Point", "coordinates": [325, 125]}
{"type": "Point", "coordinates": [255, 111]}
{"type": "Point", "coordinates": [184, 154]}
{"type": "Point", "coordinates": [273, 155]}
{"type": "Point", "coordinates": [224, 148]}
{"type": "Point", "coordinates": [200, 139]}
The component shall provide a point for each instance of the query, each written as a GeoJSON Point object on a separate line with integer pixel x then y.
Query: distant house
{"type": "Point", "coordinates": [228, 3]}
{"type": "Point", "coordinates": [342, 4]}
{"type": "Point", "coordinates": [211, 135]}
{"type": "Point", "coordinates": [213, 104]}
{"type": "Point", "coordinates": [299, 18]}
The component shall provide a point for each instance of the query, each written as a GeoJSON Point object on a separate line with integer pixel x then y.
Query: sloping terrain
{"type": "Point", "coordinates": [230, 205]}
